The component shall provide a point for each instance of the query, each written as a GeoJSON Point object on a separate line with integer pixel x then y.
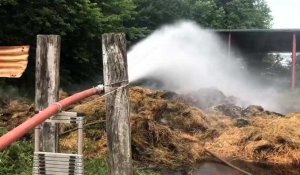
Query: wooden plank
{"type": "Point", "coordinates": [58, 165]}
{"type": "Point", "coordinates": [52, 154]}
{"type": "Point", "coordinates": [65, 117]}
{"type": "Point", "coordinates": [56, 171]}
{"type": "Point", "coordinates": [58, 162]}
{"type": "Point", "coordinates": [66, 113]}
{"type": "Point", "coordinates": [117, 104]}
{"type": "Point", "coordinates": [65, 121]}
{"type": "Point", "coordinates": [47, 86]}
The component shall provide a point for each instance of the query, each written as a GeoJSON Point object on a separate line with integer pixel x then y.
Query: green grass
{"type": "Point", "coordinates": [145, 172]}
{"type": "Point", "coordinates": [99, 167]}
{"type": "Point", "coordinates": [96, 167]}
{"type": "Point", "coordinates": [17, 160]}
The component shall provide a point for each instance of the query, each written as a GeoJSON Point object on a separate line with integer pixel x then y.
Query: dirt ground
{"type": "Point", "coordinates": [173, 131]}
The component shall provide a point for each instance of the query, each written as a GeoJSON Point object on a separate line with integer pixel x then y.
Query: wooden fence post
{"type": "Point", "coordinates": [117, 104]}
{"type": "Point", "coordinates": [47, 86]}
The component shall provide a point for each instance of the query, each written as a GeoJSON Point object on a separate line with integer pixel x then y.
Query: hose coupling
{"type": "Point", "coordinates": [100, 88]}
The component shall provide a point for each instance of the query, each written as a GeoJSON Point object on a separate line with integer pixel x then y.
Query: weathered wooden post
{"type": "Point", "coordinates": [117, 103]}
{"type": "Point", "coordinates": [47, 87]}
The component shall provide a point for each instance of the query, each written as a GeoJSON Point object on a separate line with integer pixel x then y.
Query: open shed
{"type": "Point", "coordinates": [264, 41]}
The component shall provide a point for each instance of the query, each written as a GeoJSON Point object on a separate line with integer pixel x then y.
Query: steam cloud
{"type": "Point", "coordinates": [186, 57]}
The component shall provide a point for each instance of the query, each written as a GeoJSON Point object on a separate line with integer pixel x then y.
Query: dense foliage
{"type": "Point", "coordinates": [17, 158]}
{"type": "Point", "coordinates": [225, 14]}
{"type": "Point", "coordinates": [81, 23]}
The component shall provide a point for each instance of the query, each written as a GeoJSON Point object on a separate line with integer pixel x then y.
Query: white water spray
{"type": "Point", "coordinates": [186, 57]}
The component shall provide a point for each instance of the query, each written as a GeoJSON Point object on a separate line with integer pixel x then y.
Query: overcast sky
{"type": "Point", "coordinates": [286, 13]}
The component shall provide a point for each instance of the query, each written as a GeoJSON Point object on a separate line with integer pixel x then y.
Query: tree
{"type": "Point", "coordinates": [154, 13]}
{"type": "Point", "coordinates": [206, 13]}
{"type": "Point", "coordinates": [221, 14]}
{"type": "Point", "coordinates": [245, 14]}
{"type": "Point", "coordinates": [79, 22]}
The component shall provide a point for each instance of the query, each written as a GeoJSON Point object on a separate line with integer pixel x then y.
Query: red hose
{"type": "Point", "coordinates": [39, 118]}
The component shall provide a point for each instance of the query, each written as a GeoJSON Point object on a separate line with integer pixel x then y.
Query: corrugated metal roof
{"type": "Point", "coordinates": [261, 40]}
{"type": "Point", "coordinates": [13, 61]}
{"type": "Point", "coordinates": [257, 30]}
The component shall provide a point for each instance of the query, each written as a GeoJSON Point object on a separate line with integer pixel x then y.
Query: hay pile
{"type": "Point", "coordinates": [162, 131]}
{"type": "Point", "coordinates": [268, 142]}
{"type": "Point", "coordinates": [170, 132]}
{"type": "Point", "coordinates": [14, 112]}
{"type": "Point", "coordinates": [167, 132]}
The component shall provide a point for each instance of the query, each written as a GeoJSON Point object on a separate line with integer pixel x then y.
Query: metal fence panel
{"type": "Point", "coordinates": [13, 61]}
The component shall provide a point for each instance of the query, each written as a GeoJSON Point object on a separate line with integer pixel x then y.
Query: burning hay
{"type": "Point", "coordinates": [169, 133]}
{"type": "Point", "coordinates": [14, 112]}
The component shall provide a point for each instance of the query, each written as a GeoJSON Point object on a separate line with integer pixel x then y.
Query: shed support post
{"type": "Point", "coordinates": [117, 104]}
{"type": "Point", "coordinates": [46, 88]}
{"type": "Point", "coordinates": [229, 45]}
{"type": "Point", "coordinates": [294, 63]}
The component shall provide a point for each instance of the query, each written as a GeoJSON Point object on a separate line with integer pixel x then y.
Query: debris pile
{"type": "Point", "coordinates": [173, 131]}
{"type": "Point", "coordinates": [14, 112]}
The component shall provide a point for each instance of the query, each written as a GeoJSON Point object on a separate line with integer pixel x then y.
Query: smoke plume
{"type": "Point", "coordinates": [184, 57]}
